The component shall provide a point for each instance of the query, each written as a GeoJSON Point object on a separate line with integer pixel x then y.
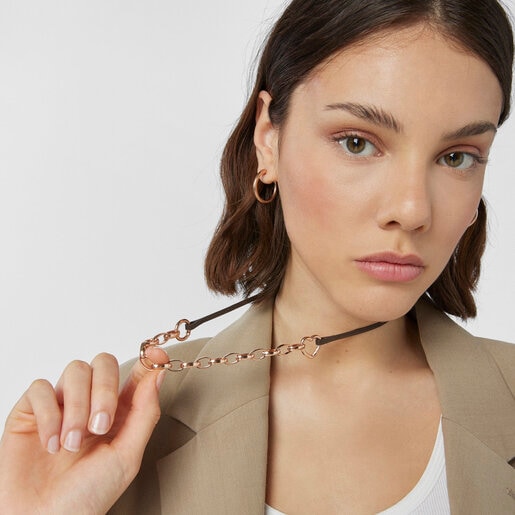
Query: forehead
{"type": "Point", "coordinates": [407, 71]}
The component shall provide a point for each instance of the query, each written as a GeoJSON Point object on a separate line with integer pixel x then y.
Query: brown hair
{"type": "Point", "coordinates": [250, 247]}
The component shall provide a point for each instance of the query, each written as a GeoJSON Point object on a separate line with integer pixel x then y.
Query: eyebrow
{"type": "Point", "coordinates": [472, 129]}
{"type": "Point", "coordinates": [368, 113]}
{"type": "Point", "coordinates": [379, 117]}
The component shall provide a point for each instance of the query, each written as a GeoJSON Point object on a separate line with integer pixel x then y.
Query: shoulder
{"type": "Point", "coordinates": [503, 354]}
{"type": "Point", "coordinates": [464, 364]}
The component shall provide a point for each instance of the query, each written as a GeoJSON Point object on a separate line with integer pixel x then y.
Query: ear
{"type": "Point", "coordinates": [266, 139]}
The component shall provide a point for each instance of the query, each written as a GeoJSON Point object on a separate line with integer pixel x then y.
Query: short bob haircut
{"type": "Point", "coordinates": [250, 248]}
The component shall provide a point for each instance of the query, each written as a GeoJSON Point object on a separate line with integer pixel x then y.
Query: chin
{"type": "Point", "coordinates": [380, 306]}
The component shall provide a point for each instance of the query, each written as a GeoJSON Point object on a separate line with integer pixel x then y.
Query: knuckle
{"type": "Point", "coordinates": [131, 469]}
{"type": "Point", "coordinates": [137, 373]}
{"type": "Point", "coordinates": [78, 366]}
{"type": "Point", "coordinates": [155, 414]}
{"type": "Point", "coordinates": [105, 357]}
{"type": "Point", "coordinates": [49, 418]}
{"type": "Point", "coordinates": [105, 393]}
{"type": "Point", "coordinates": [40, 384]}
{"type": "Point", "coordinates": [81, 365]}
{"type": "Point", "coordinates": [76, 406]}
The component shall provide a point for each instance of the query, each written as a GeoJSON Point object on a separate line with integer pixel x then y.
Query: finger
{"type": "Point", "coordinates": [104, 393]}
{"type": "Point", "coordinates": [141, 419]}
{"type": "Point", "coordinates": [75, 389]}
{"type": "Point", "coordinates": [137, 373]}
{"type": "Point", "coordinates": [38, 410]}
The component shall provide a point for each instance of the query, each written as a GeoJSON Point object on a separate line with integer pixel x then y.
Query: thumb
{"type": "Point", "coordinates": [141, 383]}
{"type": "Point", "coordinates": [138, 372]}
{"type": "Point", "coordinates": [139, 402]}
{"type": "Point", "coordinates": [140, 420]}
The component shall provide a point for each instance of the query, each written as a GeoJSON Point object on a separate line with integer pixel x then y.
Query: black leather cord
{"type": "Point", "coordinates": [319, 341]}
{"type": "Point", "coordinates": [193, 325]}
{"type": "Point", "coordinates": [354, 332]}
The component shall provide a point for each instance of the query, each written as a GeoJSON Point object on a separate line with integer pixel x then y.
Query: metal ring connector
{"type": "Point", "coordinates": [187, 332]}
{"type": "Point", "coordinates": [305, 351]}
{"type": "Point", "coordinates": [145, 360]}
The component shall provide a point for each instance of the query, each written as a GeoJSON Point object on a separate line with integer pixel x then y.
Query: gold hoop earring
{"type": "Point", "coordinates": [255, 188]}
{"type": "Point", "coordinates": [474, 220]}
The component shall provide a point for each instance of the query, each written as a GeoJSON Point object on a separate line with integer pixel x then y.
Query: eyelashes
{"type": "Point", "coordinates": [461, 160]}
{"type": "Point", "coordinates": [359, 146]}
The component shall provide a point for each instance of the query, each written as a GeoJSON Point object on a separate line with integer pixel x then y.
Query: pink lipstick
{"type": "Point", "coordinates": [391, 267]}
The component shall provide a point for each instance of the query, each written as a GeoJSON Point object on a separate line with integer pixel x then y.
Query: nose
{"type": "Point", "coordinates": [405, 200]}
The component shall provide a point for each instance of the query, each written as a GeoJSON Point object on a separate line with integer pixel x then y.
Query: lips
{"type": "Point", "coordinates": [391, 267]}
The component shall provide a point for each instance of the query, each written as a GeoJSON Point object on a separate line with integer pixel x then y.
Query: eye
{"type": "Point", "coordinates": [460, 160]}
{"type": "Point", "coordinates": [357, 146]}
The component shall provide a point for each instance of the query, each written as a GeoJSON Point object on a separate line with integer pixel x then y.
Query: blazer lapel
{"type": "Point", "coordinates": [222, 467]}
{"type": "Point", "coordinates": [479, 480]}
{"type": "Point", "coordinates": [478, 416]}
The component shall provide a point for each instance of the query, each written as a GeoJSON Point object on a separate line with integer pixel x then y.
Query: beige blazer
{"type": "Point", "coordinates": [208, 454]}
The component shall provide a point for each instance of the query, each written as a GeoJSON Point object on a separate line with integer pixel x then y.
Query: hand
{"type": "Point", "coordinates": [76, 448]}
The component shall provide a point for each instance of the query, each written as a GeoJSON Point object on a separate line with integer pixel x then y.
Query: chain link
{"type": "Point", "coordinates": [307, 345]}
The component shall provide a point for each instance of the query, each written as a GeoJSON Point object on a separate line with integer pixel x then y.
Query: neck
{"type": "Point", "coordinates": [391, 346]}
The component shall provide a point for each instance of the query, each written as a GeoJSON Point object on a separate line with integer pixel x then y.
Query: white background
{"type": "Point", "coordinates": [113, 115]}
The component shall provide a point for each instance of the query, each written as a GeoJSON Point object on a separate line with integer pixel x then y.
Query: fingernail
{"type": "Point", "coordinates": [160, 379]}
{"type": "Point", "coordinates": [100, 423]}
{"type": "Point", "coordinates": [73, 441]}
{"type": "Point", "coordinates": [53, 444]}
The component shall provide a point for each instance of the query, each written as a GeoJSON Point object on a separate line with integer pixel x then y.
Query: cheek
{"type": "Point", "coordinates": [304, 197]}
{"type": "Point", "coordinates": [454, 210]}
{"type": "Point", "coordinates": [313, 211]}
{"type": "Point", "coordinates": [320, 197]}
{"type": "Point", "coordinates": [299, 190]}
{"type": "Point", "coordinates": [455, 206]}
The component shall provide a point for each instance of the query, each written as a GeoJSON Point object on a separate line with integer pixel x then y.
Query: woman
{"type": "Point", "coordinates": [353, 184]}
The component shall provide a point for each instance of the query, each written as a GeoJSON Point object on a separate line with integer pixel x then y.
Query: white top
{"type": "Point", "coordinates": [428, 496]}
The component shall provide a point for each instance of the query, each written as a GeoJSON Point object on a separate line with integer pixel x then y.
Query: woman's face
{"type": "Point", "coordinates": [380, 168]}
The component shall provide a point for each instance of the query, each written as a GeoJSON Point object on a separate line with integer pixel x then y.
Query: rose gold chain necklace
{"type": "Point", "coordinates": [308, 345]}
